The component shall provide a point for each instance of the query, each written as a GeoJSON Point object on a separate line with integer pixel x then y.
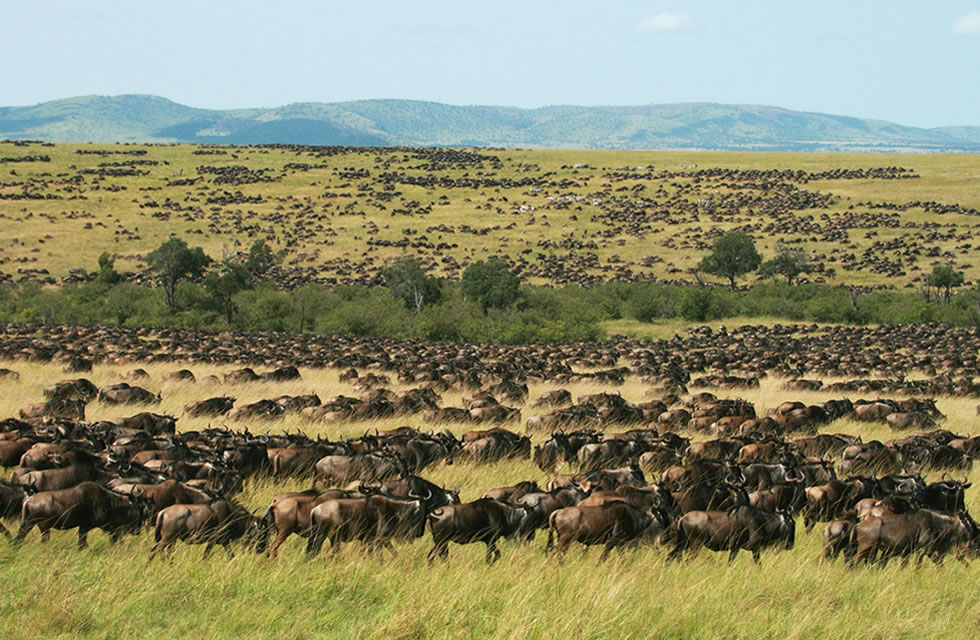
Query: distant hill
{"type": "Point", "coordinates": [139, 118]}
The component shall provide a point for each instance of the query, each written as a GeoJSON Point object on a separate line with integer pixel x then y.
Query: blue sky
{"type": "Point", "coordinates": [915, 63]}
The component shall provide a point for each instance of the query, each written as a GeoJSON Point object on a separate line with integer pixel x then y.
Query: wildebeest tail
{"type": "Point", "coordinates": [551, 532]}
{"type": "Point", "coordinates": [269, 519]}
{"type": "Point", "coordinates": [158, 531]}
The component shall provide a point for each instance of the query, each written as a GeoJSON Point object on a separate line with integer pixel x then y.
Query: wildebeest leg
{"type": "Point", "coordinates": [25, 527]}
{"type": "Point", "coordinates": [493, 553]}
{"type": "Point", "coordinates": [274, 548]}
{"type": "Point", "coordinates": [207, 548]}
{"type": "Point", "coordinates": [606, 549]}
{"type": "Point", "coordinates": [82, 537]}
{"type": "Point", "coordinates": [390, 547]}
{"type": "Point", "coordinates": [314, 544]}
{"type": "Point", "coordinates": [4, 531]}
{"type": "Point", "coordinates": [227, 546]}
{"type": "Point", "coordinates": [732, 554]}
{"type": "Point", "coordinates": [436, 548]}
{"type": "Point", "coordinates": [757, 557]}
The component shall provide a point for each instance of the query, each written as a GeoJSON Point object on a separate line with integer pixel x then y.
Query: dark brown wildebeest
{"type": "Point", "coordinates": [217, 522]}
{"type": "Point", "coordinates": [743, 527]}
{"type": "Point", "coordinates": [613, 524]}
{"type": "Point", "coordinates": [375, 519]}
{"type": "Point", "coordinates": [680, 477]}
{"type": "Point", "coordinates": [923, 531]}
{"type": "Point", "coordinates": [162, 495]}
{"type": "Point", "coordinates": [11, 499]}
{"type": "Point", "coordinates": [240, 376]}
{"type": "Point", "coordinates": [79, 466]}
{"type": "Point", "coordinates": [210, 407]}
{"type": "Point", "coordinates": [123, 393]}
{"type": "Point", "coordinates": [541, 505]}
{"type": "Point", "coordinates": [77, 389]}
{"type": "Point", "coordinates": [512, 493]}
{"type": "Point", "coordinates": [289, 513]}
{"type": "Point", "coordinates": [338, 470]}
{"type": "Point", "coordinates": [181, 375]}
{"type": "Point", "coordinates": [557, 398]}
{"type": "Point", "coordinates": [11, 451]}
{"type": "Point", "coordinates": [836, 537]}
{"type": "Point", "coordinates": [152, 423]}
{"type": "Point", "coordinates": [760, 476]}
{"type": "Point", "coordinates": [787, 496]}
{"type": "Point", "coordinates": [483, 520]}
{"type": "Point", "coordinates": [86, 506]}
{"type": "Point", "coordinates": [829, 501]}
{"type": "Point", "coordinates": [282, 374]}
{"type": "Point", "coordinates": [412, 487]}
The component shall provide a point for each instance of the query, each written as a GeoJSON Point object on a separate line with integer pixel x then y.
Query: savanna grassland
{"type": "Point", "coordinates": [55, 590]}
{"type": "Point", "coordinates": [558, 216]}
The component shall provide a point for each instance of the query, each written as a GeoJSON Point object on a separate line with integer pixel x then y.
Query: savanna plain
{"type": "Point", "coordinates": [579, 218]}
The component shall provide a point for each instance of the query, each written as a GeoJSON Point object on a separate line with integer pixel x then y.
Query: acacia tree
{"type": "Point", "coordinates": [174, 261]}
{"type": "Point", "coordinates": [261, 258]}
{"type": "Point", "coordinates": [944, 277]}
{"type": "Point", "coordinates": [408, 281]}
{"type": "Point", "coordinates": [224, 285]}
{"type": "Point", "coordinates": [788, 262]}
{"type": "Point", "coordinates": [491, 283]}
{"type": "Point", "coordinates": [732, 255]}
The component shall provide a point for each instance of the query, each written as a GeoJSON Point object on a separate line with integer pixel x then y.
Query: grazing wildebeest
{"type": "Point", "coordinates": [613, 524]}
{"type": "Point", "coordinates": [484, 520]}
{"type": "Point", "coordinates": [86, 506]}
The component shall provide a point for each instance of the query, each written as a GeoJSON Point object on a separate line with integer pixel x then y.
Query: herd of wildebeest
{"type": "Point", "coordinates": [342, 213]}
{"type": "Point", "coordinates": [683, 467]}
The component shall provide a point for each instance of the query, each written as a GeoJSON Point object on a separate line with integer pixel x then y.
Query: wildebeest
{"type": "Point", "coordinates": [124, 393]}
{"type": "Point", "coordinates": [743, 527]}
{"type": "Point", "coordinates": [367, 467]}
{"type": "Point", "coordinates": [289, 513]}
{"type": "Point", "coordinates": [612, 524]}
{"type": "Point", "coordinates": [11, 499]}
{"type": "Point", "coordinates": [375, 519]}
{"type": "Point", "coordinates": [921, 531]}
{"type": "Point", "coordinates": [86, 506]}
{"type": "Point", "coordinates": [218, 522]}
{"type": "Point", "coordinates": [211, 407]}
{"type": "Point", "coordinates": [484, 520]}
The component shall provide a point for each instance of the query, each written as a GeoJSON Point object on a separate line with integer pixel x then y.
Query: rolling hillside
{"type": "Point", "coordinates": [140, 118]}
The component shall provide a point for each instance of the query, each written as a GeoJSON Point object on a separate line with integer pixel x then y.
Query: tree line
{"type": "Point", "coordinates": [488, 304]}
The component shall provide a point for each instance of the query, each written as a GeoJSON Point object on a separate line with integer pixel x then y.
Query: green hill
{"type": "Point", "coordinates": [139, 118]}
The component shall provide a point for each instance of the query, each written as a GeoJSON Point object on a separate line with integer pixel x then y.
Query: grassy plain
{"type": "Point", "coordinates": [335, 212]}
{"type": "Point", "coordinates": [54, 591]}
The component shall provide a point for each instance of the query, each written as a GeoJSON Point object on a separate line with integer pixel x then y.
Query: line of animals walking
{"type": "Point", "coordinates": [741, 491]}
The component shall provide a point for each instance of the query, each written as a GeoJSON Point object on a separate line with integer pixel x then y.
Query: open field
{"type": "Point", "coordinates": [108, 591]}
{"type": "Point", "coordinates": [557, 216]}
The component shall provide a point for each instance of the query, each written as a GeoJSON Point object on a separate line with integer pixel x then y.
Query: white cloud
{"type": "Point", "coordinates": [664, 22]}
{"type": "Point", "coordinates": [967, 25]}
